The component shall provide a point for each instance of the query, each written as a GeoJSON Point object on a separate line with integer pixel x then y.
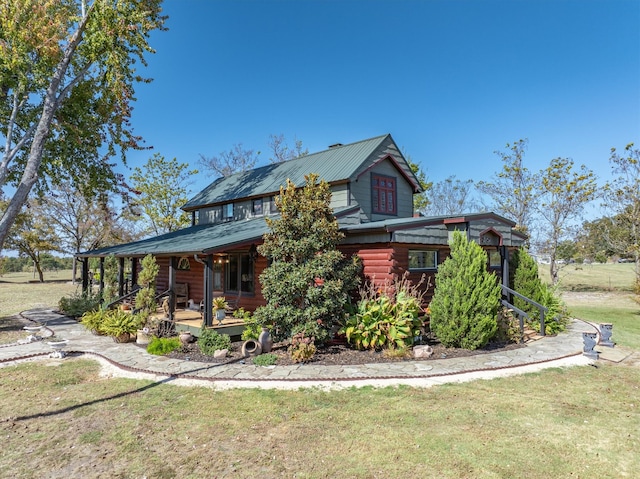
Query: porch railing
{"type": "Point", "coordinates": [123, 298]}
{"type": "Point", "coordinates": [506, 297]}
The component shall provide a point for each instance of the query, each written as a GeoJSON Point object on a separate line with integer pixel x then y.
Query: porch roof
{"type": "Point", "coordinates": [202, 239]}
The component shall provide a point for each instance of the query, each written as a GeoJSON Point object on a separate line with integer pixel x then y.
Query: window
{"type": "Point", "coordinates": [423, 259]}
{"type": "Point", "coordinates": [273, 209]}
{"type": "Point", "coordinates": [256, 207]}
{"type": "Point", "coordinates": [227, 211]}
{"type": "Point", "coordinates": [494, 259]}
{"type": "Point", "coordinates": [383, 194]}
{"type": "Point", "coordinates": [239, 273]}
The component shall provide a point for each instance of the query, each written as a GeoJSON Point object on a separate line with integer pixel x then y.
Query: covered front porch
{"type": "Point", "coordinates": [196, 265]}
{"type": "Point", "coordinates": [191, 321]}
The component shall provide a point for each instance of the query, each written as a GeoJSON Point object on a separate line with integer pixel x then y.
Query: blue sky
{"type": "Point", "coordinates": [452, 81]}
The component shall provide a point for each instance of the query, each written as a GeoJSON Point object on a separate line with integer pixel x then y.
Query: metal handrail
{"type": "Point", "coordinates": [122, 298]}
{"type": "Point", "coordinates": [521, 314]}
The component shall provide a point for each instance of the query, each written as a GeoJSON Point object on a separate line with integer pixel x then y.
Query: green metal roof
{"type": "Point", "coordinates": [336, 164]}
{"type": "Point", "coordinates": [202, 239]}
{"type": "Point", "coordinates": [195, 239]}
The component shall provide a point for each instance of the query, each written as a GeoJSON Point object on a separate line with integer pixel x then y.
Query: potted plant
{"type": "Point", "coordinates": [122, 326]}
{"type": "Point", "coordinates": [220, 306]}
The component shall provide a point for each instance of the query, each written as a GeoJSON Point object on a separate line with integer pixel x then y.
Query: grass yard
{"type": "Point", "coordinates": [63, 420]}
{"type": "Point", "coordinates": [593, 277]}
{"type": "Point", "coordinates": [17, 293]}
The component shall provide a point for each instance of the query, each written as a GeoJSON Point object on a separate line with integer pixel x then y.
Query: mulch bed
{"type": "Point", "coordinates": [339, 354]}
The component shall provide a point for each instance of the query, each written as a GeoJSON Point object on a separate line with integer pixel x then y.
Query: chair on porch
{"type": "Point", "coordinates": [234, 302]}
{"type": "Point", "coordinates": [182, 293]}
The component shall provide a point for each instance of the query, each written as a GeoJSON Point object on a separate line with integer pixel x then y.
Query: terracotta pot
{"type": "Point", "coordinates": [185, 337]}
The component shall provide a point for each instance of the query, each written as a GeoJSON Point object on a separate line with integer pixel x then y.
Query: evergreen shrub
{"type": "Point", "coordinates": [210, 341]}
{"type": "Point", "coordinates": [466, 297]}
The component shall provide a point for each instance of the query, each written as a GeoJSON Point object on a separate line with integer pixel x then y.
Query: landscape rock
{"type": "Point", "coordinates": [422, 352]}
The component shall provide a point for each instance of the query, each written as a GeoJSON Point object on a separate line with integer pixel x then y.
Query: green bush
{"type": "Point", "coordinates": [162, 346]}
{"type": "Point", "coordinates": [117, 323]}
{"type": "Point", "coordinates": [466, 298]}
{"type": "Point", "coordinates": [302, 348]}
{"type": "Point", "coordinates": [268, 359]}
{"type": "Point", "coordinates": [252, 328]}
{"type": "Point", "coordinates": [557, 316]}
{"type": "Point", "coordinates": [386, 317]}
{"type": "Point", "coordinates": [94, 320]}
{"type": "Point", "coordinates": [308, 281]}
{"type": "Point", "coordinates": [210, 341]}
{"type": "Point", "coordinates": [526, 281]}
{"type": "Point", "coordinates": [78, 304]}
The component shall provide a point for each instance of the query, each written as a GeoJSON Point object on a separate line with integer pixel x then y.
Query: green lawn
{"type": "Point", "coordinates": [579, 422]}
{"type": "Point", "coordinates": [593, 277]}
{"type": "Point", "coordinates": [62, 419]}
{"type": "Point", "coordinates": [19, 293]}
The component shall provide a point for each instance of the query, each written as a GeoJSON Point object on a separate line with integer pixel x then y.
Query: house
{"type": "Point", "coordinates": [372, 189]}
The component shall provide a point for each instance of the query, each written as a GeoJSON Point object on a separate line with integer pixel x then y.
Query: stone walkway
{"type": "Point", "coordinates": [128, 360]}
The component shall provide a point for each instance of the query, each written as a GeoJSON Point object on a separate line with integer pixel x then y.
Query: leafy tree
{"type": "Point", "coordinates": [283, 152]}
{"type": "Point", "coordinates": [32, 235]}
{"type": "Point", "coordinates": [451, 197]}
{"type": "Point", "coordinates": [67, 75]}
{"type": "Point", "coordinates": [420, 200]}
{"type": "Point", "coordinates": [563, 194]}
{"type": "Point", "coordinates": [308, 281]}
{"type": "Point", "coordinates": [622, 197]}
{"type": "Point", "coordinates": [514, 190]}
{"type": "Point", "coordinates": [80, 223]}
{"type": "Point", "coordinates": [592, 239]}
{"type": "Point", "coordinates": [161, 186]}
{"type": "Point", "coordinates": [465, 302]}
{"type": "Point", "coordinates": [227, 163]}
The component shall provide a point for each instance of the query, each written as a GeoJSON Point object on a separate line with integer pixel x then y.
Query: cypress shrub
{"type": "Point", "coordinates": [466, 297]}
{"type": "Point", "coordinates": [526, 281]}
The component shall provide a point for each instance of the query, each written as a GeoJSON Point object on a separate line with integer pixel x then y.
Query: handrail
{"type": "Point", "coordinates": [122, 298]}
{"type": "Point", "coordinates": [521, 314]}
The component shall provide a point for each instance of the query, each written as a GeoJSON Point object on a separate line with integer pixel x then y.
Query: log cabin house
{"type": "Point", "coordinates": [372, 189]}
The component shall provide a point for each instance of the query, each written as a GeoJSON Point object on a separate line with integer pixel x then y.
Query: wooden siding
{"type": "Point", "coordinates": [195, 279]}
{"type": "Point", "coordinates": [340, 196]}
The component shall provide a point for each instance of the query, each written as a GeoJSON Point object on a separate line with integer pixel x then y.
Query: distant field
{"type": "Point", "coordinates": [18, 293]}
{"type": "Point", "coordinates": [593, 277]}
{"type": "Point", "coordinates": [62, 275]}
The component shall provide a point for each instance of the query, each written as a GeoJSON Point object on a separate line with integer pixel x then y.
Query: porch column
{"type": "Point", "coordinates": [120, 277]}
{"type": "Point", "coordinates": [504, 258]}
{"type": "Point", "coordinates": [208, 291]}
{"type": "Point", "coordinates": [172, 285]}
{"type": "Point", "coordinates": [134, 272]}
{"type": "Point", "coordinates": [85, 275]}
{"type": "Point", "coordinates": [101, 290]}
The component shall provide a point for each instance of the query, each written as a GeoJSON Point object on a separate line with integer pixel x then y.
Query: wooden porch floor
{"type": "Point", "coordinates": [190, 320]}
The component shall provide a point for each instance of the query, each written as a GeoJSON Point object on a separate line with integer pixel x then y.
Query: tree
{"type": "Point", "coordinates": [622, 197]}
{"type": "Point", "coordinates": [161, 186]}
{"type": "Point", "coordinates": [451, 197]}
{"type": "Point", "coordinates": [514, 190]}
{"type": "Point", "coordinates": [465, 302]}
{"type": "Point", "coordinates": [308, 280]}
{"type": "Point", "coordinates": [420, 200]}
{"type": "Point", "coordinates": [33, 235]}
{"type": "Point", "coordinates": [79, 223]}
{"type": "Point", "coordinates": [563, 195]}
{"type": "Point", "coordinates": [282, 152]}
{"type": "Point", "coordinates": [227, 163]}
{"type": "Point", "coordinates": [592, 242]}
{"type": "Point", "coordinates": [67, 75]}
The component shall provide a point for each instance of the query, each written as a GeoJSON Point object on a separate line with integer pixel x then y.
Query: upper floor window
{"type": "Point", "coordinates": [383, 194]}
{"type": "Point", "coordinates": [423, 259]}
{"type": "Point", "coordinates": [227, 211]}
{"type": "Point", "coordinates": [273, 209]}
{"type": "Point", "coordinates": [256, 207]}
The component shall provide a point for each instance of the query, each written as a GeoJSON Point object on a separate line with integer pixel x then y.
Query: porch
{"type": "Point", "coordinates": [191, 321]}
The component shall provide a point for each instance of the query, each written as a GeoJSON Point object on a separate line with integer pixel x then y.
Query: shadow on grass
{"type": "Point", "coordinates": [154, 384]}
